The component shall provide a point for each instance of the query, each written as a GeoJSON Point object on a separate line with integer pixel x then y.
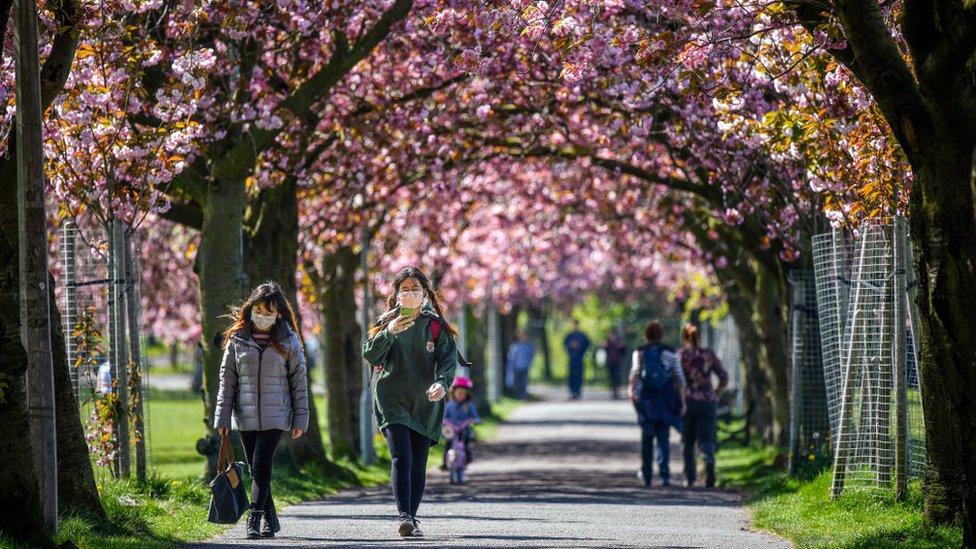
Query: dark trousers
{"type": "Point", "coordinates": [613, 372]}
{"type": "Point", "coordinates": [408, 475]}
{"type": "Point", "coordinates": [699, 429]}
{"type": "Point", "coordinates": [521, 383]}
{"type": "Point", "coordinates": [655, 431]}
{"type": "Point", "coordinates": [259, 450]}
{"type": "Point", "coordinates": [575, 377]}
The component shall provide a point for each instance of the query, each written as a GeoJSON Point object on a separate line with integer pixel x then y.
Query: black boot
{"type": "Point", "coordinates": [254, 524]}
{"type": "Point", "coordinates": [710, 475]}
{"type": "Point", "coordinates": [271, 524]}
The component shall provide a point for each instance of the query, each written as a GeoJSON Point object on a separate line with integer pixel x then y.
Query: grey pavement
{"type": "Point", "coordinates": [558, 474]}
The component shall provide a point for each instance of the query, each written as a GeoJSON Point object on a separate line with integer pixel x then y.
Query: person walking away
{"type": "Point", "coordinates": [263, 391]}
{"type": "Point", "coordinates": [656, 387]}
{"type": "Point", "coordinates": [460, 408]}
{"type": "Point", "coordinates": [576, 343]}
{"type": "Point", "coordinates": [412, 350]}
{"type": "Point", "coordinates": [699, 365]}
{"type": "Point", "coordinates": [615, 352]}
{"type": "Point", "coordinates": [521, 353]}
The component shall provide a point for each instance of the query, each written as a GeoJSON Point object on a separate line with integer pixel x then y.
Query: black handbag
{"type": "Point", "coordinates": [228, 499]}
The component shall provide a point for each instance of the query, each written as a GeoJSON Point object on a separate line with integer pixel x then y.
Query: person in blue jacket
{"type": "Point", "coordinates": [576, 344]}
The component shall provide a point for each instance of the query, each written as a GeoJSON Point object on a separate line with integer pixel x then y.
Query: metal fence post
{"type": "Point", "coordinates": [119, 359]}
{"type": "Point", "coordinates": [901, 363]}
{"type": "Point", "coordinates": [367, 452]}
{"type": "Point", "coordinates": [133, 296]}
{"type": "Point", "coordinates": [70, 259]}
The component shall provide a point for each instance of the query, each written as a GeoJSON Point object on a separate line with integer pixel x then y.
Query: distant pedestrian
{"type": "Point", "coordinates": [576, 343]}
{"type": "Point", "coordinates": [699, 365]}
{"type": "Point", "coordinates": [656, 388]}
{"type": "Point", "coordinates": [263, 391]}
{"type": "Point", "coordinates": [196, 382]}
{"type": "Point", "coordinates": [615, 351]}
{"type": "Point", "coordinates": [521, 353]}
{"type": "Point", "coordinates": [412, 350]}
{"type": "Point", "coordinates": [103, 378]}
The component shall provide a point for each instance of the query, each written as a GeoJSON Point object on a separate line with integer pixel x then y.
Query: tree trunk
{"type": "Point", "coordinates": [754, 383]}
{"type": "Point", "coordinates": [18, 485]}
{"type": "Point", "coordinates": [343, 355]}
{"type": "Point", "coordinates": [77, 492]}
{"type": "Point", "coordinates": [271, 253]}
{"type": "Point", "coordinates": [222, 282]}
{"type": "Point", "coordinates": [943, 231]}
{"type": "Point", "coordinates": [476, 343]}
{"type": "Point", "coordinates": [771, 327]}
{"type": "Point", "coordinates": [537, 324]}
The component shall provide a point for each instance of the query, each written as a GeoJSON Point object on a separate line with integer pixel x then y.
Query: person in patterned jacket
{"type": "Point", "coordinates": [699, 365]}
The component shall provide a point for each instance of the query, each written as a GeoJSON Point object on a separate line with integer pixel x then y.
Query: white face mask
{"type": "Point", "coordinates": [263, 322]}
{"type": "Point", "coordinates": [412, 299]}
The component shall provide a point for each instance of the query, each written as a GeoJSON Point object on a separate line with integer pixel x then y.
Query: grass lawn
{"type": "Point", "coordinates": [171, 507]}
{"type": "Point", "coordinates": [802, 511]}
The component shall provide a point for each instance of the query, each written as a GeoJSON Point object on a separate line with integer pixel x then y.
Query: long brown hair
{"type": "Point", "coordinates": [690, 335]}
{"type": "Point", "coordinates": [391, 300]}
{"type": "Point", "coordinates": [273, 297]}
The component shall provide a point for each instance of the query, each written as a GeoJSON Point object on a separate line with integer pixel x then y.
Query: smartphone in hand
{"type": "Point", "coordinates": [406, 311]}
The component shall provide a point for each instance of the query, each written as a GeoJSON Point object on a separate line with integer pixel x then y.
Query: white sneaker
{"type": "Point", "coordinates": [406, 527]}
{"type": "Point", "coordinates": [417, 533]}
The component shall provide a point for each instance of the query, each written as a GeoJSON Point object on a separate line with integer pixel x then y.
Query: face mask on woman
{"type": "Point", "coordinates": [263, 322]}
{"type": "Point", "coordinates": [410, 298]}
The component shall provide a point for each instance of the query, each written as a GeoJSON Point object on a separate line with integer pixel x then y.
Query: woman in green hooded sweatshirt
{"type": "Point", "coordinates": [412, 350]}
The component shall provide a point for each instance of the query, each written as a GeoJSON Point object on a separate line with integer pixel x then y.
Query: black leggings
{"type": "Point", "coordinates": [408, 450]}
{"type": "Point", "coordinates": [259, 450]}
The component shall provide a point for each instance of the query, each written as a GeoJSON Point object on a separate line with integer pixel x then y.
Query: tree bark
{"type": "Point", "coordinates": [271, 253]}
{"type": "Point", "coordinates": [770, 323]}
{"type": "Point", "coordinates": [18, 485]}
{"type": "Point", "coordinates": [77, 492]}
{"type": "Point", "coordinates": [754, 383]}
{"type": "Point", "coordinates": [509, 323]}
{"type": "Point", "coordinates": [343, 355]}
{"type": "Point", "coordinates": [222, 283]}
{"type": "Point", "coordinates": [477, 341]}
{"type": "Point", "coordinates": [538, 321]}
{"type": "Point", "coordinates": [943, 231]}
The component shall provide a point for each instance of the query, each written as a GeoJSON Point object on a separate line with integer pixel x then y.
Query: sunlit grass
{"type": "Point", "coordinates": [803, 512]}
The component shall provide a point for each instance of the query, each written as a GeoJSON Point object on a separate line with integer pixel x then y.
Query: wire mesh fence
{"type": "Point", "coordinates": [809, 425]}
{"type": "Point", "coordinates": [99, 293]}
{"type": "Point", "coordinates": [869, 364]}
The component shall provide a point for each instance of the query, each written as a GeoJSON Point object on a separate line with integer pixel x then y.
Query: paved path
{"type": "Point", "coordinates": [558, 474]}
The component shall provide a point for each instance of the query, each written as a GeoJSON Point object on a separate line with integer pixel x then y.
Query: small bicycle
{"type": "Point", "coordinates": [457, 453]}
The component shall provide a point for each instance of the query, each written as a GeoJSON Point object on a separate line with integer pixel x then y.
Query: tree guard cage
{"type": "Point", "coordinates": [99, 291]}
{"type": "Point", "coordinates": [864, 291]}
{"type": "Point", "coordinates": [809, 424]}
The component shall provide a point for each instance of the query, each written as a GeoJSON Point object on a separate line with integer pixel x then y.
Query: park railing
{"type": "Point", "coordinates": [865, 310]}
{"type": "Point", "coordinates": [101, 306]}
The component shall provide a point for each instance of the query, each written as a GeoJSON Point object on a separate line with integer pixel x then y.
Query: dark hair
{"type": "Point", "coordinates": [391, 300]}
{"type": "Point", "coordinates": [690, 335]}
{"type": "Point", "coordinates": [653, 331]}
{"type": "Point", "coordinates": [273, 297]}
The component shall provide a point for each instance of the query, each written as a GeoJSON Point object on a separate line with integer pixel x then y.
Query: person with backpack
{"type": "Point", "coordinates": [657, 390]}
{"type": "Point", "coordinates": [412, 350]}
{"type": "Point", "coordinates": [699, 365]}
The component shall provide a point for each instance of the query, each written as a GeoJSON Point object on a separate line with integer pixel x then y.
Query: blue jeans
{"type": "Point", "coordinates": [575, 378]}
{"type": "Point", "coordinates": [699, 428]}
{"type": "Point", "coordinates": [651, 432]}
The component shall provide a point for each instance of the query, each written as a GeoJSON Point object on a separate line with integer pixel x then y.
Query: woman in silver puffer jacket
{"type": "Point", "coordinates": [263, 391]}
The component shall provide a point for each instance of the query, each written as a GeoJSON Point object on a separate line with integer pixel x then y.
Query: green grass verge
{"type": "Point", "coordinates": [171, 507]}
{"type": "Point", "coordinates": [802, 511]}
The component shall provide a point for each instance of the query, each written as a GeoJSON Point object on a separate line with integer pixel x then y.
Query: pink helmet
{"type": "Point", "coordinates": [463, 382]}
